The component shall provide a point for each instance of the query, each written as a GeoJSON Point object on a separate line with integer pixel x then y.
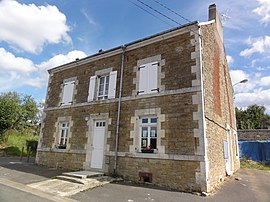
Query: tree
{"type": "Point", "coordinates": [9, 110]}
{"type": "Point", "coordinates": [29, 109]}
{"type": "Point", "coordinates": [16, 111]}
{"type": "Point", "coordinates": [254, 117]}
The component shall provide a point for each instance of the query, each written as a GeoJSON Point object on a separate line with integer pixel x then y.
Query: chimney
{"type": "Point", "coordinates": [214, 15]}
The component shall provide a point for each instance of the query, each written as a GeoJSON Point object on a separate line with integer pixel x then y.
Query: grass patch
{"type": "Point", "coordinates": [254, 165]}
{"type": "Point", "coordinates": [15, 140]}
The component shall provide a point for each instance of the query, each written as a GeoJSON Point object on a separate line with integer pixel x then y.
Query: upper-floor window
{"type": "Point", "coordinates": [63, 135]}
{"type": "Point", "coordinates": [67, 95]}
{"type": "Point", "coordinates": [102, 87]}
{"type": "Point", "coordinates": [148, 78]}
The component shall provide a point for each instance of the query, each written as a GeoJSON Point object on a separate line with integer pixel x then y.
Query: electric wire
{"type": "Point", "coordinates": [171, 10]}
{"type": "Point", "coordinates": [151, 13]}
{"type": "Point", "coordinates": [166, 16]}
{"type": "Point", "coordinates": [159, 12]}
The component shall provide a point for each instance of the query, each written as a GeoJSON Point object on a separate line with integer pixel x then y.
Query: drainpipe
{"type": "Point", "coordinates": [118, 109]}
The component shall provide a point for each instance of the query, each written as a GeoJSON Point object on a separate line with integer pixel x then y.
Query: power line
{"type": "Point", "coordinates": [171, 10]}
{"type": "Point", "coordinates": [159, 12]}
{"type": "Point", "coordinates": [150, 13]}
{"type": "Point", "coordinates": [166, 16]}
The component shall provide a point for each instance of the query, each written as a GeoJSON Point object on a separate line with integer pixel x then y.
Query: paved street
{"type": "Point", "coordinates": [253, 186]}
{"type": "Point", "coordinates": [8, 194]}
{"type": "Point", "coordinates": [17, 177]}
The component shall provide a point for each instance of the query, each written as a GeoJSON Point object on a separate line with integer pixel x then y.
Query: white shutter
{"type": "Point", "coordinates": [143, 81]}
{"type": "Point", "coordinates": [153, 77]}
{"type": "Point", "coordinates": [112, 85]}
{"type": "Point", "coordinates": [68, 93]}
{"type": "Point", "coordinates": [91, 90]}
{"type": "Point", "coordinates": [226, 151]}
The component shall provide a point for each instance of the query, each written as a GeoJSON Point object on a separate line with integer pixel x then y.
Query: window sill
{"type": "Point", "coordinates": [147, 151]}
{"type": "Point", "coordinates": [61, 147]}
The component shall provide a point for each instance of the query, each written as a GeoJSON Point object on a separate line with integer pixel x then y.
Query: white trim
{"type": "Point", "coordinates": [158, 156]}
{"type": "Point", "coordinates": [129, 98]}
{"type": "Point", "coordinates": [207, 23]}
{"type": "Point", "coordinates": [200, 132]}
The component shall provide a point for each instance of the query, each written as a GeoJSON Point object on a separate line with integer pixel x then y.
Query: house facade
{"type": "Point", "coordinates": [157, 110]}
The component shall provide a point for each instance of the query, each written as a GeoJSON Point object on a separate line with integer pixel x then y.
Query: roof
{"type": "Point", "coordinates": [75, 62]}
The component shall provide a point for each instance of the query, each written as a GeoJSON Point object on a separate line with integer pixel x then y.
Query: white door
{"type": "Point", "coordinates": [227, 157]}
{"type": "Point", "coordinates": [98, 145]}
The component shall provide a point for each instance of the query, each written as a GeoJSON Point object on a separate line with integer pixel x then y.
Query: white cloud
{"type": "Point", "coordinates": [263, 11]}
{"type": "Point", "coordinates": [11, 63]}
{"type": "Point", "coordinates": [61, 59]}
{"type": "Point", "coordinates": [259, 45]}
{"type": "Point", "coordinates": [34, 75]}
{"type": "Point", "coordinates": [265, 81]}
{"type": "Point", "coordinates": [30, 27]}
{"type": "Point", "coordinates": [252, 92]}
{"type": "Point", "coordinates": [259, 97]}
{"type": "Point", "coordinates": [239, 75]}
{"type": "Point", "coordinates": [230, 59]}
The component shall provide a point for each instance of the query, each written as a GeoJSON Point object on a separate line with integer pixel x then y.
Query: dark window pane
{"type": "Point", "coordinates": [144, 120]}
{"type": "Point", "coordinates": [153, 143]}
{"type": "Point", "coordinates": [153, 120]}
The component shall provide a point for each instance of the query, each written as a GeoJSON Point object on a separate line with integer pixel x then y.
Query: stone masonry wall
{"type": "Point", "coordinates": [219, 106]}
{"type": "Point", "coordinates": [253, 135]}
{"type": "Point", "coordinates": [178, 165]}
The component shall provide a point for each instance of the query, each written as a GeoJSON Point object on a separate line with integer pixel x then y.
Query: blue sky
{"type": "Point", "coordinates": [38, 35]}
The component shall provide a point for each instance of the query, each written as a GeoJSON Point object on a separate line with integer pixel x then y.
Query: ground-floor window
{"type": "Point", "coordinates": [63, 135]}
{"type": "Point", "coordinates": [148, 134]}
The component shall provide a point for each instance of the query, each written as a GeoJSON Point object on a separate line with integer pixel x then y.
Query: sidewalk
{"type": "Point", "coordinates": [13, 169]}
{"type": "Point", "coordinates": [35, 179]}
{"type": "Point", "coordinates": [15, 176]}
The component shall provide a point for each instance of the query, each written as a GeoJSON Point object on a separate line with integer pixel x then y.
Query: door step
{"type": "Point", "coordinates": [83, 174]}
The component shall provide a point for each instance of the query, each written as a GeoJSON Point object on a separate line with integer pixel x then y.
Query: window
{"type": "Point", "coordinates": [63, 135]}
{"type": "Point", "coordinates": [103, 87]}
{"type": "Point", "coordinates": [68, 89]}
{"type": "Point", "coordinates": [148, 134]}
{"type": "Point", "coordinates": [106, 87]}
{"type": "Point", "coordinates": [148, 78]}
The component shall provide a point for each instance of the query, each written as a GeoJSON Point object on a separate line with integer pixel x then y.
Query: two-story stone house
{"type": "Point", "coordinates": [157, 110]}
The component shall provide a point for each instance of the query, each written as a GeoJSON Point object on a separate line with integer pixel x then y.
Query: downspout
{"type": "Point", "coordinates": [119, 109]}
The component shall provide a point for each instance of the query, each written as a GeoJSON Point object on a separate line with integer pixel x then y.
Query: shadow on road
{"type": "Point", "coordinates": [13, 168]}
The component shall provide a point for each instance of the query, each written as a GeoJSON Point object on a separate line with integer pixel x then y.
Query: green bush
{"type": "Point", "coordinates": [15, 140]}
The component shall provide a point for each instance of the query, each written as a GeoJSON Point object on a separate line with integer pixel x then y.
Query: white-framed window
{"type": "Point", "coordinates": [106, 87]}
{"type": "Point", "coordinates": [103, 87]}
{"type": "Point", "coordinates": [67, 96]}
{"type": "Point", "coordinates": [148, 78]}
{"type": "Point", "coordinates": [63, 134]}
{"type": "Point", "coordinates": [148, 134]}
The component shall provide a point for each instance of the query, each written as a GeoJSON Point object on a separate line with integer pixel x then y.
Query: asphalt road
{"type": "Point", "coordinates": [253, 186]}
{"type": "Point", "coordinates": [9, 194]}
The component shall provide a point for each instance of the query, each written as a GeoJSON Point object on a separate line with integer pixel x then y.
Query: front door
{"type": "Point", "coordinates": [98, 145]}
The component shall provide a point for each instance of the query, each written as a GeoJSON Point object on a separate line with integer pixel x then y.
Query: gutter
{"type": "Point", "coordinates": [119, 109]}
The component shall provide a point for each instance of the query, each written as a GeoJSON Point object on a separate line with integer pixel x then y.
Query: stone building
{"type": "Point", "coordinates": [157, 110]}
